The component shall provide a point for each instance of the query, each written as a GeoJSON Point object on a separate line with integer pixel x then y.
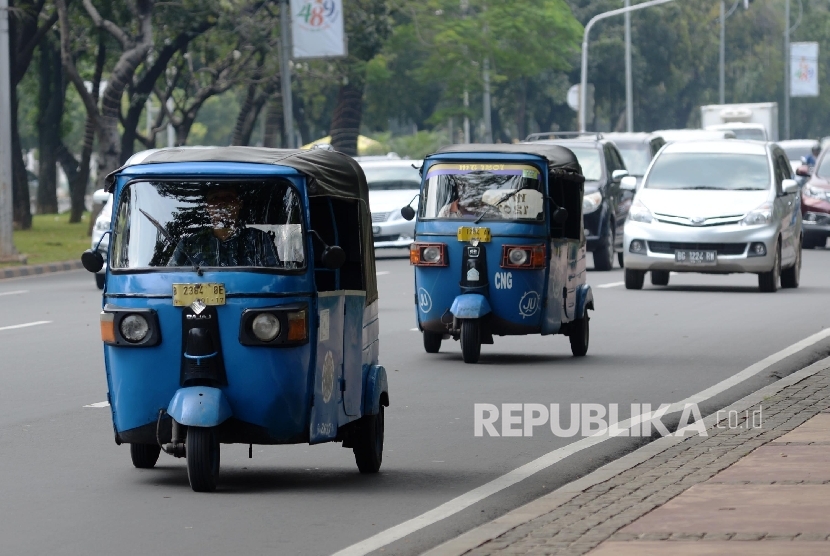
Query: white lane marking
{"type": "Point", "coordinates": [16, 292]}
{"type": "Point", "coordinates": [381, 272]}
{"type": "Point", "coordinates": [98, 404]}
{"type": "Point", "coordinates": [14, 326]}
{"type": "Point", "coordinates": [474, 496]}
{"type": "Point", "coordinates": [611, 285]}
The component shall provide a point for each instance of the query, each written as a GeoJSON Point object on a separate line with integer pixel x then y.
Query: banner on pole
{"type": "Point", "coordinates": [317, 29]}
{"type": "Point", "coordinates": [804, 69]}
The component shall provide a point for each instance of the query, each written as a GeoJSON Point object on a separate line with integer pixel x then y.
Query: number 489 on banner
{"type": "Point", "coordinates": [317, 28]}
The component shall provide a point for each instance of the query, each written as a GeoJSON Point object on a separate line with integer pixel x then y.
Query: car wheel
{"type": "Point", "coordinates": [768, 281]}
{"type": "Point", "coordinates": [621, 259]}
{"type": "Point", "coordinates": [99, 280]}
{"type": "Point", "coordinates": [791, 276]}
{"type": "Point", "coordinates": [432, 341]}
{"type": "Point", "coordinates": [368, 449]}
{"type": "Point", "coordinates": [470, 340]}
{"type": "Point", "coordinates": [660, 277]}
{"type": "Point", "coordinates": [634, 279]}
{"type": "Point", "coordinates": [202, 453]}
{"type": "Point", "coordinates": [604, 255]}
{"type": "Point", "coordinates": [580, 335]}
{"type": "Point", "coordinates": [144, 456]}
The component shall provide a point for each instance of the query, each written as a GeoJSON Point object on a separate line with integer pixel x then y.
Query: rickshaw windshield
{"type": "Point", "coordinates": [484, 191]}
{"type": "Point", "coordinates": [208, 224]}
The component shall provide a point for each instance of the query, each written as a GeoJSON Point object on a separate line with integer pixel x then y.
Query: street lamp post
{"type": "Point", "coordinates": [7, 249]}
{"type": "Point", "coordinates": [584, 72]}
{"type": "Point", "coordinates": [629, 82]}
{"type": "Point", "coordinates": [285, 73]}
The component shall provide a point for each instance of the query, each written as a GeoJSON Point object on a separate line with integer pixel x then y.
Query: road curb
{"type": "Point", "coordinates": [546, 504]}
{"type": "Point", "coordinates": [37, 269]}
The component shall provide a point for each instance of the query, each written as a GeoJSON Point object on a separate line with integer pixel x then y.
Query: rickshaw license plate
{"type": "Point", "coordinates": [209, 293]}
{"type": "Point", "coordinates": [467, 233]}
{"type": "Point", "coordinates": [696, 258]}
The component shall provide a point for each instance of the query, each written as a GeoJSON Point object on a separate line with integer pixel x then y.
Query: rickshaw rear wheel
{"type": "Point", "coordinates": [368, 450]}
{"type": "Point", "coordinates": [144, 456]}
{"type": "Point", "coordinates": [580, 336]}
{"type": "Point", "coordinates": [202, 451]}
{"type": "Point", "coordinates": [470, 340]}
{"type": "Point", "coordinates": [432, 341]}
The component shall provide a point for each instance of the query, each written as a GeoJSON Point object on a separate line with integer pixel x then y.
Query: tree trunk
{"type": "Point", "coordinates": [245, 119]}
{"type": "Point", "coordinates": [50, 108]}
{"type": "Point", "coordinates": [20, 181]}
{"type": "Point", "coordinates": [345, 123]}
{"type": "Point", "coordinates": [273, 122]}
{"type": "Point", "coordinates": [521, 111]}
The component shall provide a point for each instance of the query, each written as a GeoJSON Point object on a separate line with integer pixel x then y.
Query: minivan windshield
{"type": "Point", "coordinates": [734, 172]}
{"type": "Point", "coordinates": [483, 191]}
{"type": "Point", "coordinates": [208, 224]}
{"type": "Point", "coordinates": [385, 178]}
{"type": "Point", "coordinates": [636, 157]}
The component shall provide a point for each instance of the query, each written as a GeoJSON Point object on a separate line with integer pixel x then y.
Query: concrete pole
{"type": "Point", "coordinates": [466, 118]}
{"type": "Point", "coordinates": [488, 124]}
{"type": "Point", "coordinates": [171, 131]}
{"type": "Point", "coordinates": [7, 250]}
{"type": "Point", "coordinates": [629, 84]}
{"type": "Point", "coordinates": [722, 62]}
{"type": "Point", "coordinates": [285, 73]}
{"type": "Point", "coordinates": [787, 70]}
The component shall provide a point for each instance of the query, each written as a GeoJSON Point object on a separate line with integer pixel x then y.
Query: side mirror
{"type": "Point", "coordinates": [789, 187]}
{"type": "Point", "coordinates": [618, 175]}
{"type": "Point", "coordinates": [803, 171]}
{"type": "Point", "coordinates": [93, 261]}
{"type": "Point", "coordinates": [628, 183]}
{"type": "Point", "coordinates": [333, 257]}
{"type": "Point", "coordinates": [100, 197]}
{"type": "Point", "coordinates": [408, 212]}
{"type": "Point", "coordinates": [560, 216]}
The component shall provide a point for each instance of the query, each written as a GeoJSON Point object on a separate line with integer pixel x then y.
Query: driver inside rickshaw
{"type": "Point", "coordinates": [459, 207]}
{"type": "Point", "coordinates": [227, 242]}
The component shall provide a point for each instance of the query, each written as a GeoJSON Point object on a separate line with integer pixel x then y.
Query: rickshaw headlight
{"type": "Point", "coordinates": [266, 327]}
{"type": "Point", "coordinates": [431, 254]}
{"type": "Point", "coordinates": [134, 328]}
{"type": "Point", "coordinates": [518, 257]}
{"type": "Point", "coordinates": [523, 256]}
{"type": "Point", "coordinates": [428, 254]}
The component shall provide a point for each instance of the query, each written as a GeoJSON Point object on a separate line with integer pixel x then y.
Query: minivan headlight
{"type": "Point", "coordinates": [759, 216]}
{"type": "Point", "coordinates": [640, 213]}
{"type": "Point", "coordinates": [591, 202]}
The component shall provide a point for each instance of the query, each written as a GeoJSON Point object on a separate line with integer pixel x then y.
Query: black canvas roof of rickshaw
{"type": "Point", "coordinates": [562, 162]}
{"type": "Point", "coordinates": [334, 175]}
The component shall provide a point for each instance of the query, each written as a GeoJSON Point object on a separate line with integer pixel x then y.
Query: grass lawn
{"type": "Point", "coordinates": [52, 239]}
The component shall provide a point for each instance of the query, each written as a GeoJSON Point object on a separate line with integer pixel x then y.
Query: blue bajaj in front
{"type": "Point", "coordinates": [240, 306]}
{"type": "Point", "coordinates": [500, 247]}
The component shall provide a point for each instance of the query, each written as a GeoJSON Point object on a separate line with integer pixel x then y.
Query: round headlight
{"type": "Point", "coordinates": [266, 326]}
{"type": "Point", "coordinates": [517, 256]}
{"type": "Point", "coordinates": [431, 254]}
{"type": "Point", "coordinates": [134, 328]}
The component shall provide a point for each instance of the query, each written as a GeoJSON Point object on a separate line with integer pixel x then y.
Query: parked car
{"type": "Point", "coordinates": [101, 227]}
{"type": "Point", "coordinates": [637, 150]}
{"type": "Point", "coordinates": [815, 204]}
{"type": "Point", "coordinates": [604, 205]}
{"type": "Point", "coordinates": [716, 207]}
{"type": "Point", "coordinates": [393, 184]}
{"type": "Point", "coordinates": [694, 134]}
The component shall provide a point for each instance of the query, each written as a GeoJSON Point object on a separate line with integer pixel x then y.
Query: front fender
{"type": "Point", "coordinates": [375, 391]}
{"type": "Point", "coordinates": [584, 300]}
{"type": "Point", "coordinates": [470, 306]}
{"type": "Point", "coordinates": [199, 406]}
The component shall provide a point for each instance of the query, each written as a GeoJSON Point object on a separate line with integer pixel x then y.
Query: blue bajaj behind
{"type": "Point", "coordinates": [236, 280]}
{"type": "Point", "coordinates": [500, 247]}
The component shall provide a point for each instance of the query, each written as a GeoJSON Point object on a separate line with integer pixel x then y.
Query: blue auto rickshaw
{"type": "Point", "coordinates": [240, 305]}
{"type": "Point", "coordinates": [499, 246]}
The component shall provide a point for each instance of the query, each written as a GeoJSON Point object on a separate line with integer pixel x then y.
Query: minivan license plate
{"type": "Point", "coordinates": [209, 293]}
{"type": "Point", "coordinates": [696, 258]}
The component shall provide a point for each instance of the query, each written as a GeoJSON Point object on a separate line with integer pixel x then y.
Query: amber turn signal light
{"type": "Point", "coordinates": [108, 327]}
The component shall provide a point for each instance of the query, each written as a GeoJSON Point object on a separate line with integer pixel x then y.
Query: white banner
{"type": "Point", "coordinates": [317, 28]}
{"type": "Point", "coordinates": [804, 69]}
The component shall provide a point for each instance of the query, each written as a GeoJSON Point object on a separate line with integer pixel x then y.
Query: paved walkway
{"type": "Point", "coordinates": [760, 486]}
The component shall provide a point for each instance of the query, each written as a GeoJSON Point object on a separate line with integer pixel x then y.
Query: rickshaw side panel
{"type": "Point", "coordinates": [352, 373]}
{"type": "Point", "coordinates": [328, 367]}
{"type": "Point", "coordinates": [567, 268]}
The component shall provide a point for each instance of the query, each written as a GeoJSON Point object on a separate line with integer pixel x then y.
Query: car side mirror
{"type": "Point", "coordinates": [618, 175]}
{"type": "Point", "coordinates": [100, 197]}
{"type": "Point", "coordinates": [560, 216]}
{"type": "Point", "coordinates": [408, 212]}
{"type": "Point", "coordinates": [803, 171]}
{"type": "Point", "coordinates": [628, 183]}
{"type": "Point", "coordinates": [333, 257]}
{"type": "Point", "coordinates": [92, 260]}
{"type": "Point", "coordinates": [789, 187]}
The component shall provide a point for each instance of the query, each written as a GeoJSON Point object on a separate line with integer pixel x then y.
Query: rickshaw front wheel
{"type": "Point", "coordinates": [368, 450]}
{"type": "Point", "coordinates": [470, 340]}
{"type": "Point", "coordinates": [432, 341]}
{"type": "Point", "coordinates": [144, 456]}
{"type": "Point", "coordinates": [579, 336]}
{"type": "Point", "coordinates": [202, 451]}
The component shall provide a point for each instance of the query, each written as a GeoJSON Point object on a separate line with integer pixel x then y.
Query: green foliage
{"type": "Point", "coordinates": [415, 146]}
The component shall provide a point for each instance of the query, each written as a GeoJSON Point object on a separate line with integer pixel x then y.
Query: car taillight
{"type": "Point", "coordinates": [523, 256]}
{"type": "Point", "coordinates": [428, 254]}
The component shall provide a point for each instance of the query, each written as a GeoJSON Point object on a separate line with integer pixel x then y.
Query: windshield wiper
{"type": "Point", "coordinates": [711, 187]}
{"type": "Point", "coordinates": [169, 239]}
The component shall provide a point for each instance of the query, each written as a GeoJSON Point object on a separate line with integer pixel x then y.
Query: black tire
{"type": "Point", "coordinates": [580, 336]}
{"type": "Point", "coordinates": [432, 341]}
{"type": "Point", "coordinates": [811, 242]}
{"type": "Point", "coordinates": [144, 456]}
{"type": "Point", "coordinates": [790, 277]}
{"type": "Point", "coordinates": [368, 448]}
{"type": "Point", "coordinates": [660, 277]}
{"type": "Point", "coordinates": [621, 259]}
{"type": "Point", "coordinates": [202, 452]}
{"type": "Point", "coordinates": [768, 281]}
{"type": "Point", "coordinates": [470, 340]}
{"type": "Point", "coordinates": [604, 255]}
{"type": "Point", "coordinates": [99, 280]}
{"type": "Point", "coordinates": [634, 279]}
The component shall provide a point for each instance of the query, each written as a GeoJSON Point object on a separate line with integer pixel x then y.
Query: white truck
{"type": "Point", "coordinates": [757, 120]}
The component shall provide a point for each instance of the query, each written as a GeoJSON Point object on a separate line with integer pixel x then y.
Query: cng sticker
{"type": "Point", "coordinates": [529, 304]}
{"type": "Point", "coordinates": [504, 280]}
{"type": "Point", "coordinates": [424, 300]}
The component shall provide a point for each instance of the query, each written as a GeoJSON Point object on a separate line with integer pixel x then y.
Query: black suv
{"type": "Point", "coordinates": [605, 205]}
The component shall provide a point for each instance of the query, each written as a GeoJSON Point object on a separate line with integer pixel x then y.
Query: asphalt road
{"type": "Point", "coordinates": [66, 488]}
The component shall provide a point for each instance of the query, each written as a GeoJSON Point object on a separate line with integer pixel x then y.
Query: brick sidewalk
{"type": "Point", "coordinates": [703, 495]}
